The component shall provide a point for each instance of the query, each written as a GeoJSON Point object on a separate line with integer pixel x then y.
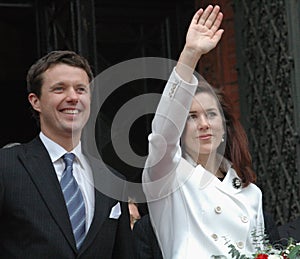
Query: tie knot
{"type": "Point", "coordinates": [68, 158]}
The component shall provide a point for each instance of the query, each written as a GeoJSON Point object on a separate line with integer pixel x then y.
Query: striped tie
{"type": "Point", "coordinates": [73, 199]}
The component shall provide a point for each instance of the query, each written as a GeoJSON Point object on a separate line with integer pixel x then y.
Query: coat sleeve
{"type": "Point", "coordinates": [164, 152]}
{"type": "Point", "coordinates": [260, 222]}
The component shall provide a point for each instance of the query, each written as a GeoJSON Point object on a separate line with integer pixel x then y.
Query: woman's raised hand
{"type": "Point", "coordinates": [203, 35]}
{"type": "Point", "coordinates": [204, 31]}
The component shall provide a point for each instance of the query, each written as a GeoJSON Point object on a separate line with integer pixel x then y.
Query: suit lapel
{"type": "Point", "coordinates": [103, 203]}
{"type": "Point", "coordinates": [103, 206]}
{"type": "Point", "coordinates": [39, 166]}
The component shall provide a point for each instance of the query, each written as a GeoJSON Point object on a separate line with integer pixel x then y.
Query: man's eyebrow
{"type": "Point", "coordinates": [82, 84]}
{"type": "Point", "coordinates": [56, 84]}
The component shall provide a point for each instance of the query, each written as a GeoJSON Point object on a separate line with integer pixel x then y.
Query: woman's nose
{"type": "Point", "coordinates": [203, 122]}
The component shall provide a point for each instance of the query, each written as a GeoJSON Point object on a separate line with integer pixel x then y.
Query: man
{"type": "Point", "coordinates": [48, 207]}
{"type": "Point", "coordinates": [290, 230]}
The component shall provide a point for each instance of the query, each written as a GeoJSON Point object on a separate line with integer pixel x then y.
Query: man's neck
{"type": "Point", "coordinates": [68, 141]}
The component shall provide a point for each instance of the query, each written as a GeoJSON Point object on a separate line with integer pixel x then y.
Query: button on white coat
{"type": "Point", "coordinates": [240, 244]}
{"type": "Point", "coordinates": [244, 219]}
{"type": "Point", "coordinates": [218, 209]}
{"type": "Point", "coordinates": [214, 236]}
{"type": "Point", "coordinates": [172, 90]}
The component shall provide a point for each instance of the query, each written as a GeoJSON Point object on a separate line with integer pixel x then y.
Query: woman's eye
{"type": "Point", "coordinates": [211, 114]}
{"type": "Point", "coordinates": [192, 117]}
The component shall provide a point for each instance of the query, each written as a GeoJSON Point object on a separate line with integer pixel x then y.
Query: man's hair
{"type": "Point", "coordinates": [35, 72]}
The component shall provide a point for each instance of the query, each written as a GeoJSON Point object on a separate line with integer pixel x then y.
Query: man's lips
{"type": "Point", "coordinates": [70, 111]}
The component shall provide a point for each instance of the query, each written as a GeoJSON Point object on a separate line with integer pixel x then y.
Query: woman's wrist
{"type": "Point", "coordinates": [187, 63]}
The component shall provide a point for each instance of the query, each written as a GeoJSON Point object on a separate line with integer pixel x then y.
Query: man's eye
{"type": "Point", "coordinates": [58, 89]}
{"type": "Point", "coordinates": [81, 89]}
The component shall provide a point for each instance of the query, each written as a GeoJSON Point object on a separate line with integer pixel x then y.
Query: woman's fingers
{"type": "Point", "coordinates": [197, 16]}
{"type": "Point", "coordinates": [206, 13]}
{"type": "Point", "coordinates": [216, 25]}
{"type": "Point", "coordinates": [211, 17]}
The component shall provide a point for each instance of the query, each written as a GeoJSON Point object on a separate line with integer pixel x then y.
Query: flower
{"type": "Point", "coordinates": [292, 251]}
{"type": "Point", "coordinates": [262, 256]}
{"type": "Point", "coordinates": [265, 256]}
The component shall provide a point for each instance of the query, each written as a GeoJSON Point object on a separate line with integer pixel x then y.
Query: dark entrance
{"type": "Point", "coordinates": [106, 32]}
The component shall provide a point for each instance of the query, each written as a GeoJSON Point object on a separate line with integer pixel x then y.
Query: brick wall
{"type": "Point", "coordinates": [219, 66]}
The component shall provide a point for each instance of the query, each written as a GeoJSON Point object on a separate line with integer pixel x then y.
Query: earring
{"type": "Point", "coordinates": [222, 140]}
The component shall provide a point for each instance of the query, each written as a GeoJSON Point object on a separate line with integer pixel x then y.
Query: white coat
{"type": "Point", "coordinates": [193, 213]}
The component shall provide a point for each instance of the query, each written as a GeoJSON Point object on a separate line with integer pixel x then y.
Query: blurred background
{"type": "Point", "coordinates": [257, 63]}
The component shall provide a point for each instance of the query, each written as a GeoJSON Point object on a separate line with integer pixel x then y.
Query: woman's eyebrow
{"type": "Point", "coordinates": [211, 109]}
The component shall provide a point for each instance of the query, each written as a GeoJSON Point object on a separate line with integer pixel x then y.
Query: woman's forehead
{"type": "Point", "coordinates": [204, 101]}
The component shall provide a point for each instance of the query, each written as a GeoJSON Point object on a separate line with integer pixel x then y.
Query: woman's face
{"type": "Point", "coordinates": [204, 127]}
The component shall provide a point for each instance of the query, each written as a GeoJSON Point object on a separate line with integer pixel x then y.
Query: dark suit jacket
{"type": "Point", "coordinates": [34, 221]}
{"type": "Point", "coordinates": [290, 230]}
{"type": "Point", "coordinates": [144, 240]}
{"type": "Point", "coordinates": [271, 229]}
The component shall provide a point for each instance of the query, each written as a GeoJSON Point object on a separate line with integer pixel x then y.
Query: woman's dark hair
{"type": "Point", "coordinates": [35, 73]}
{"type": "Point", "coordinates": [236, 145]}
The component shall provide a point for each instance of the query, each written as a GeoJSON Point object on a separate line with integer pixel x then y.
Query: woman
{"type": "Point", "coordinates": [200, 194]}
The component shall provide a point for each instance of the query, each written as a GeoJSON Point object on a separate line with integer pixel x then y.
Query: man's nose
{"type": "Point", "coordinates": [72, 94]}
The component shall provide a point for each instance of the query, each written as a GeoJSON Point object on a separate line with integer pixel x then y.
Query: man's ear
{"type": "Point", "coordinates": [34, 101]}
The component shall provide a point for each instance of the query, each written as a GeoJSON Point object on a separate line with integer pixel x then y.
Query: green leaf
{"type": "Point", "coordinates": [294, 252]}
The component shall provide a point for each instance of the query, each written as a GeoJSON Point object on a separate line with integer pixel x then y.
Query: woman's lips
{"type": "Point", "coordinates": [205, 137]}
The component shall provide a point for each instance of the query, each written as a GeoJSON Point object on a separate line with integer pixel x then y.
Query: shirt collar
{"type": "Point", "coordinates": [56, 151]}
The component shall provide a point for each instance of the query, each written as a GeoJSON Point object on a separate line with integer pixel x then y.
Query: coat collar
{"type": "Point", "coordinates": [228, 185]}
{"type": "Point", "coordinates": [232, 183]}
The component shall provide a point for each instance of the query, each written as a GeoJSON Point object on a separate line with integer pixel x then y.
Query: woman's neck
{"type": "Point", "coordinates": [211, 163]}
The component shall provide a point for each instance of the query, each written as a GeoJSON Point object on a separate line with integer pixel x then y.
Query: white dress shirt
{"type": "Point", "coordinates": [81, 171]}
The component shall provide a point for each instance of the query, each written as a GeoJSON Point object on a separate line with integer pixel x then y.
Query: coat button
{"type": "Point", "coordinates": [240, 244]}
{"type": "Point", "coordinates": [244, 219]}
{"type": "Point", "coordinates": [214, 236]}
{"type": "Point", "coordinates": [218, 209]}
{"type": "Point", "coordinates": [172, 90]}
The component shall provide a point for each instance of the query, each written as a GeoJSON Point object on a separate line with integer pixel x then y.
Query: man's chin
{"type": "Point", "coordinates": [74, 129]}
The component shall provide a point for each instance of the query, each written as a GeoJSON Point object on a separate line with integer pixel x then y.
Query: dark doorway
{"type": "Point", "coordinates": [106, 32]}
{"type": "Point", "coordinates": [17, 52]}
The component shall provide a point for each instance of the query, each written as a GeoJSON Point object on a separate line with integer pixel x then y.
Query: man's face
{"type": "Point", "coordinates": [64, 104]}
